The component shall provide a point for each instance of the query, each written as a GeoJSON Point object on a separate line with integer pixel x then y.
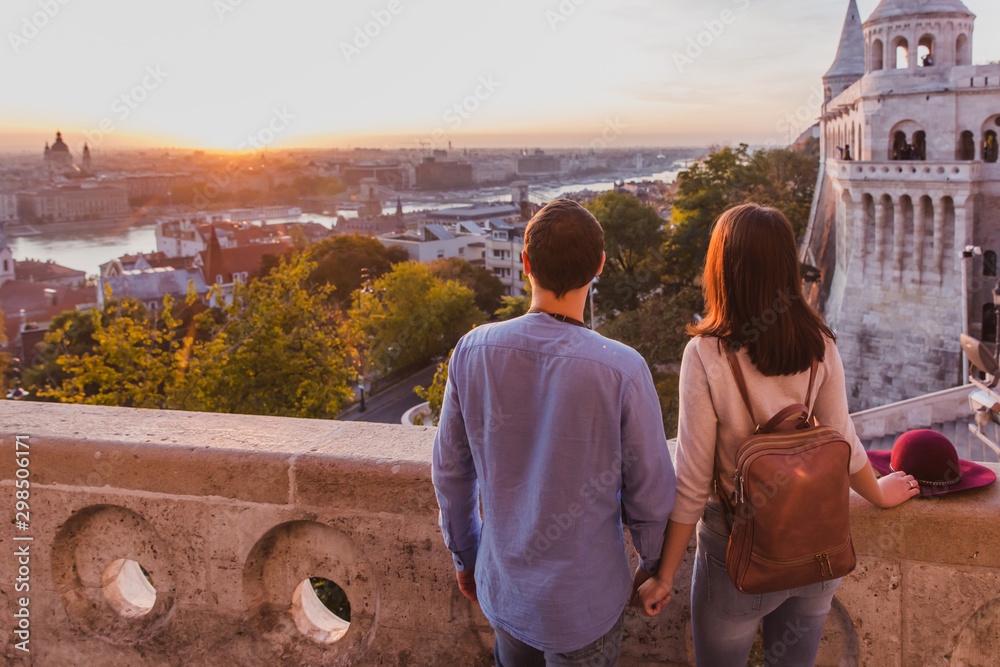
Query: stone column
{"type": "Point", "coordinates": [898, 242]}
{"type": "Point", "coordinates": [921, 212]}
{"type": "Point", "coordinates": [939, 216]}
{"type": "Point", "coordinates": [861, 223]}
{"type": "Point", "coordinates": [963, 230]}
{"type": "Point", "coordinates": [881, 225]}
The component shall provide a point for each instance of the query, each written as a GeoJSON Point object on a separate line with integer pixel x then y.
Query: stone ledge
{"type": "Point", "coordinates": [204, 500]}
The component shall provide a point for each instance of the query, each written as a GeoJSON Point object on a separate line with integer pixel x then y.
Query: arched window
{"type": "Point", "coordinates": [989, 264]}
{"type": "Point", "coordinates": [828, 94]}
{"type": "Point", "coordinates": [967, 146]}
{"type": "Point", "coordinates": [878, 55]}
{"type": "Point", "coordinates": [989, 323]}
{"type": "Point", "coordinates": [990, 146]}
{"type": "Point", "coordinates": [900, 147]}
{"type": "Point", "coordinates": [919, 146]}
{"type": "Point", "coordinates": [901, 53]}
{"type": "Point", "coordinates": [925, 51]}
{"type": "Point", "coordinates": [963, 54]}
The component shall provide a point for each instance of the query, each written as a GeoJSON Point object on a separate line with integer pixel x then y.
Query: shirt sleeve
{"type": "Point", "coordinates": [648, 481]}
{"type": "Point", "coordinates": [831, 408]}
{"type": "Point", "coordinates": [455, 480]}
{"type": "Point", "coordinates": [697, 430]}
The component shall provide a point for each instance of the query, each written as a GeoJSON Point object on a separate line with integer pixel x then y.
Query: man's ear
{"type": "Point", "coordinates": [527, 266]}
{"type": "Point", "coordinates": [604, 257]}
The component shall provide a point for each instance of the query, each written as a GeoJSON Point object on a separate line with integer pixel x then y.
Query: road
{"type": "Point", "coordinates": [389, 406]}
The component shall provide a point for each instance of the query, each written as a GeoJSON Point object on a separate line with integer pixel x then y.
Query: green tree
{"type": "Point", "coordinates": [513, 306]}
{"type": "Point", "coordinates": [633, 234]}
{"type": "Point", "coordinates": [411, 316]}
{"type": "Point", "coordinates": [486, 286]}
{"type": "Point", "coordinates": [657, 331]}
{"type": "Point", "coordinates": [434, 394]}
{"type": "Point", "coordinates": [278, 350]}
{"type": "Point", "coordinates": [341, 260]}
{"type": "Point", "coordinates": [782, 178]}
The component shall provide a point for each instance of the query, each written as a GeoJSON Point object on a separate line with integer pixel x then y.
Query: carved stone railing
{"type": "Point", "coordinates": [905, 170]}
{"type": "Point", "coordinates": [229, 515]}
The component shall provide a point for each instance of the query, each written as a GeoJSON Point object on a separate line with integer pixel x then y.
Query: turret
{"type": "Point", "coordinates": [903, 35]}
{"type": "Point", "coordinates": [849, 65]}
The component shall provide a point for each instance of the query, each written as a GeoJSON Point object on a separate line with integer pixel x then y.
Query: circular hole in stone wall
{"type": "Point", "coordinates": [321, 610]}
{"type": "Point", "coordinates": [128, 588]}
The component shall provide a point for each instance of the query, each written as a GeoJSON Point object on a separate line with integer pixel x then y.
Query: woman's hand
{"type": "Point", "coordinates": [887, 491]}
{"type": "Point", "coordinates": [654, 594]}
{"type": "Point", "coordinates": [897, 488]}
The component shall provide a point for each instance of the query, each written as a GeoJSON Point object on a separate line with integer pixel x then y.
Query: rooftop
{"type": "Point", "coordinates": [891, 9]}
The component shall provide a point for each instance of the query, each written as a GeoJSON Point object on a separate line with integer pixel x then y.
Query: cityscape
{"type": "Point", "coordinates": [249, 331]}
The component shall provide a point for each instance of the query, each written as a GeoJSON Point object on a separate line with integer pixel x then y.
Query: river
{"type": "Point", "coordinates": [86, 249]}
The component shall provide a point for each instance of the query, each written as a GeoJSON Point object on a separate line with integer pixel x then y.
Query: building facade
{"type": "Point", "coordinates": [504, 246]}
{"type": "Point", "coordinates": [909, 179]}
{"type": "Point", "coordinates": [8, 207]}
{"type": "Point", "coordinates": [70, 203]}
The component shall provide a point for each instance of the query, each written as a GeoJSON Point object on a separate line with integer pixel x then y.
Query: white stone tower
{"type": "Point", "coordinates": [889, 224]}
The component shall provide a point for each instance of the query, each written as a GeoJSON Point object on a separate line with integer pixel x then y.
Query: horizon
{"type": "Point", "coordinates": [229, 75]}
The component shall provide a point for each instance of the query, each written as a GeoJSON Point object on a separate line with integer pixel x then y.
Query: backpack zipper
{"type": "Point", "coordinates": [823, 557]}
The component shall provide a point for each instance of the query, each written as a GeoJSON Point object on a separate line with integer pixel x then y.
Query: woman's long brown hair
{"type": "Point", "coordinates": [753, 292]}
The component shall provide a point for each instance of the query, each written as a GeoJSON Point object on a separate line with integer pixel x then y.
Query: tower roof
{"type": "Point", "coordinates": [850, 59]}
{"type": "Point", "coordinates": [59, 146]}
{"type": "Point", "coordinates": [890, 9]}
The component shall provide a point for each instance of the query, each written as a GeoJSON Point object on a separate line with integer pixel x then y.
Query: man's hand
{"type": "Point", "coordinates": [654, 594]}
{"type": "Point", "coordinates": [638, 579]}
{"type": "Point", "coordinates": [467, 584]}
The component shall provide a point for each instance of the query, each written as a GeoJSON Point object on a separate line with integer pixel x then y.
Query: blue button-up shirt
{"type": "Point", "coordinates": [559, 430]}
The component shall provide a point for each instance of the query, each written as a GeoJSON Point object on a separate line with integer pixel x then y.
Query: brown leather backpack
{"type": "Point", "coordinates": [790, 513]}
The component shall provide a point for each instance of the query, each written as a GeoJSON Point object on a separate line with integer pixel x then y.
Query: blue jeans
{"type": "Point", "coordinates": [724, 620]}
{"type": "Point", "coordinates": [511, 652]}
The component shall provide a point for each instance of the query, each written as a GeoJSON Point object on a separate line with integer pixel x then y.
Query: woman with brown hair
{"type": "Point", "coordinates": [755, 304]}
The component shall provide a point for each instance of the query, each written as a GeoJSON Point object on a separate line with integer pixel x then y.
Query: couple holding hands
{"type": "Point", "coordinates": [551, 437]}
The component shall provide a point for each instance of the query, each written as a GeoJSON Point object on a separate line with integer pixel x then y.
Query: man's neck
{"type": "Point", "coordinates": [571, 305]}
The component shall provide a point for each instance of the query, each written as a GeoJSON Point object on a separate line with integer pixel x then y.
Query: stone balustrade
{"type": "Point", "coordinates": [229, 515]}
{"type": "Point", "coordinates": [917, 171]}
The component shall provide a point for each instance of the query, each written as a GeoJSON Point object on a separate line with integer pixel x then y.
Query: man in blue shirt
{"type": "Point", "coordinates": [559, 430]}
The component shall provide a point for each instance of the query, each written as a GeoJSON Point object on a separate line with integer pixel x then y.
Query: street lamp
{"type": "Point", "coordinates": [366, 288]}
{"type": "Point", "coordinates": [967, 254]}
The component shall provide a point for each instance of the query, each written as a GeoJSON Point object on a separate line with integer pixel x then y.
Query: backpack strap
{"type": "Point", "coordinates": [809, 392]}
{"type": "Point", "coordinates": [734, 366]}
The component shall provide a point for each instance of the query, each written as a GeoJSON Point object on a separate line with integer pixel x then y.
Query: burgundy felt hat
{"type": "Point", "coordinates": [932, 460]}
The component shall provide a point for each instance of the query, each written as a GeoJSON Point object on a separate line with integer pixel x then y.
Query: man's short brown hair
{"type": "Point", "coordinates": [565, 245]}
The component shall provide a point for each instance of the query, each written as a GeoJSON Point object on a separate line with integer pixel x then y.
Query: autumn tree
{"type": "Point", "coordinates": [277, 350]}
{"type": "Point", "coordinates": [71, 333]}
{"type": "Point", "coordinates": [410, 317]}
{"type": "Point", "coordinates": [132, 363]}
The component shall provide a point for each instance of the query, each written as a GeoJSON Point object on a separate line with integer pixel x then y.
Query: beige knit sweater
{"type": "Point", "coordinates": [714, 421]}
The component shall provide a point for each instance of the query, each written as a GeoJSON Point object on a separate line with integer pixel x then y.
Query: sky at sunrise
{"type": "Point", "coordinates": [224, 74]}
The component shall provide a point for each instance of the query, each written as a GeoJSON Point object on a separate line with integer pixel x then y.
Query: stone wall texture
{"type": "Point", "coordinates": [228, 514]}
